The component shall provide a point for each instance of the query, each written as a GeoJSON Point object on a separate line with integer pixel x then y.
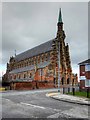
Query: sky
{"type": "Point", "coordinates": [28, 24]}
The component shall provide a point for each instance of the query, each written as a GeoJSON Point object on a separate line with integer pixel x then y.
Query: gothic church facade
{"type": "Point", "coordinates": [41, 66]}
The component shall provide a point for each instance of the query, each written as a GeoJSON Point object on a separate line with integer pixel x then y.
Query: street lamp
{"type": "Point", "coordinates": [58, 66]}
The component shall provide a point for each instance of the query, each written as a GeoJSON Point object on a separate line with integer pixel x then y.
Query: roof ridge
{"type": "Point", "coordinates": [34, 47]}
{"type": "Point", "coordinates": [85, 61]}
{"type": "Point", "coordinates": [39, 49]}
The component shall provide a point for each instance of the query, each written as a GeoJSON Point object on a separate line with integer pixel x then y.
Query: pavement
{"type": "Point", "coordinates": [69, 98]}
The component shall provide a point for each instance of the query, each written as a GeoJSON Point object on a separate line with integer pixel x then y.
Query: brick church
{"type": "Point", "coordinates": [42, 66]}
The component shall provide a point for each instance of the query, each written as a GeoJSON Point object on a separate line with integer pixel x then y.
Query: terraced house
{"type": "Point", "coordinates": [39, 67]}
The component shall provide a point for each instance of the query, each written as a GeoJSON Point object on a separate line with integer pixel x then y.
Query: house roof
{"type": "Point", "coordinates": [85, 62]}
{"type": "Point", "coordinates": [45, 47]}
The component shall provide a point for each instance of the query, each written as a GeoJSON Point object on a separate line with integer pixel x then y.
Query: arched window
{"type": "Point", "coordinates": [42, 58]}
{"type": "Point", "coordinates": [62, 80]}
{"type": "Point", "coordinates": [19, 76]}
{"type": "Point", "coordinates": [30, 75]}
{"type": "Point", "coordinates": [32, 61]}
{"type": "Point", "coordinates": [48, 56]}
{"type": "Point", "coordinates": [68, 81]}
{"type": "Point", "coordinates": [73, 82]}
{"type": "Point", "coordinates": [24, 75]}
{"type": "Point", "coordinates": [29, 61]}
{"type": "Point", "coordinates": [38, 59]}
{"type": "Point", "coordinates": [14, 76]}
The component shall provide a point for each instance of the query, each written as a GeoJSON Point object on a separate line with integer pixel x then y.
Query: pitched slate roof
{"type": "Point", "coordinates": [22, 80]}
{"type": "Point", "coordinates": [19, 70]}
{"type": "Point", "coordinates": [31, 67]}
{"type": "Point", "coordinates": [45, 47]}
{"type": "Point", "coordinates": [85, 62]}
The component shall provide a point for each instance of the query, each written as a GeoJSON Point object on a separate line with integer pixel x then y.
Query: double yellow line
{"type": "Point", "coordinates": [51, 94]}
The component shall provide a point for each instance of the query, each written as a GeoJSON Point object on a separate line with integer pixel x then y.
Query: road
{"type": "Point", "coordinates": [35, 104]}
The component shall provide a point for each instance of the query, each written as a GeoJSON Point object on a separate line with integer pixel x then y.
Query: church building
{"type": "Point", "coordinates": [45, 66]}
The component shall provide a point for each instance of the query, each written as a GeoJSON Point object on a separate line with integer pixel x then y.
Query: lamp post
{"type": "Point", "coordinates": [58, 66]}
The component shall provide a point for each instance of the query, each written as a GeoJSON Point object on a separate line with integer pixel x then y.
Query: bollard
{"type": "Point", "coordinates": [79, 89]}
{"type": "Point", "coordinates": [87, 92]}
{"type": "Point", "coordinates": [58, 90]}
{"type": "Point", "coordinates": [63, 90]}
{"type": "Point", "coordinates": [73, 90]}
{"type": "Point", "coordinates": [68, 90]}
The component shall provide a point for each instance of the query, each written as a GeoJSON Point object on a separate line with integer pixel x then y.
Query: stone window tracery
{"type": "Point", "coordinates": [42, 57]}
{"type": "Point", "coordinates": [14, 76]}
{"type": "Point", "coordinates": [30, 75]}
{"type": "Point", "coordinates": [38, 59]}
{"type": "Point", "coordinates": [24, 75]}
{"type": "Point", "coordinates": [19, 76]}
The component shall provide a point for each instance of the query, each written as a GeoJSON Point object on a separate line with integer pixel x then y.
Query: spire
{"type": "Point", "coordinates": [60, 23]}
{"type": "Point", "coordinates": [60, 16]}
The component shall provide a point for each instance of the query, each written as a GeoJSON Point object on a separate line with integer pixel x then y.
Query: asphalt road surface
{"type": "Point", "coordinates": [35, 104]}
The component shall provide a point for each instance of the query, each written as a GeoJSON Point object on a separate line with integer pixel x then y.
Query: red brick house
{"type": "Point", "coordinates": [84, 70]}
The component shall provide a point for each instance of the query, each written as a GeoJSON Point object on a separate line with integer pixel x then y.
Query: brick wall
{"type": "Point", "coordinates": [87, 74]}
{"type": "Point", "coordinates": [82, 84]}
{"type": "Point", "coordinates": [24, 85]}
{"type": "Point", "coordinates": [32, 85]}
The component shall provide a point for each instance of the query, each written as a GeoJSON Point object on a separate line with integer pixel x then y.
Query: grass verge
{"type": "Point", "coordinates": [79, 94]}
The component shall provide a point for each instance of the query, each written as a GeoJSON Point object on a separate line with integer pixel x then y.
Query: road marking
{"type": "Point", "coordinates": [7, 99]}
{"type": "Point", "coordinates": [56, 115]}
{"type": "Point", "coordinates": [51, 94]}
{"type": "Point", "coordinates": [32, 105]}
